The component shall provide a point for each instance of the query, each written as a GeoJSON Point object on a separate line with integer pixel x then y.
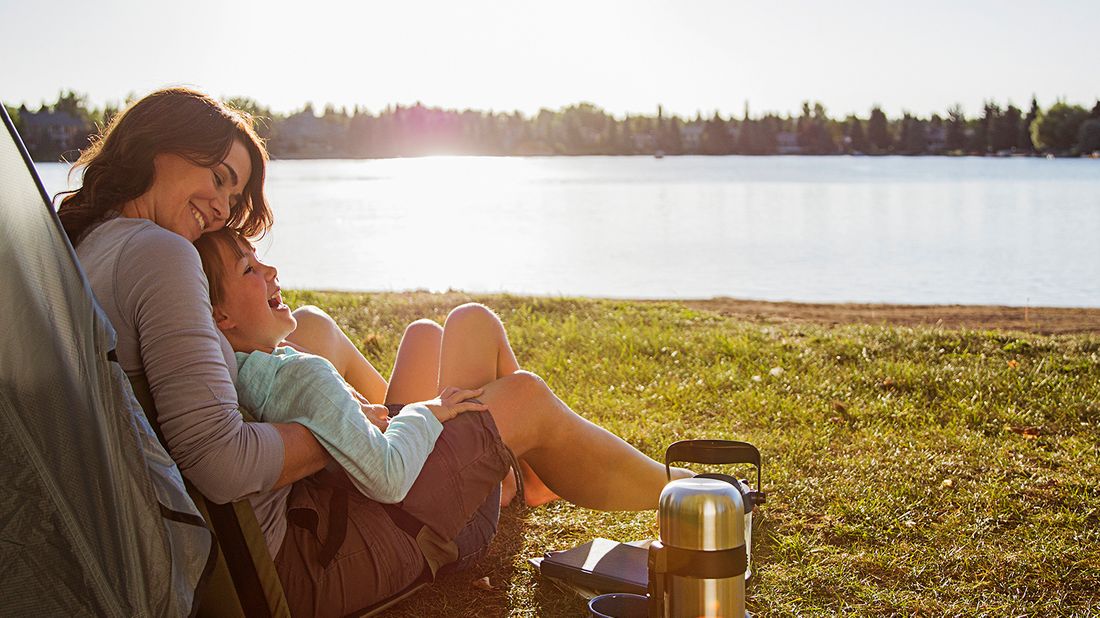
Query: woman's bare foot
{"type": "Point", "coordinates": [535, 492]}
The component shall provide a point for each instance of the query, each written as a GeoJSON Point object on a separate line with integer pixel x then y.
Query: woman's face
{"type": "Point", "coordinates": [251, 314]}
{"type": "Point", "coordinates": [189, 199]}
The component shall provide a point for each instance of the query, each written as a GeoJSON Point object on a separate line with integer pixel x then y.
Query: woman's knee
{"type": "Point", "coordinates": [525, 410]}
{"type": "Point", "coordinates": [529, 383]}
{"type": "Point", "coordinates": [523, 385]}
{"type": "Point", "coordinates": [522, 392]}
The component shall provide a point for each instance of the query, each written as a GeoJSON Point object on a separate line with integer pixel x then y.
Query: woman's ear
{"type": "Point", "coordinates": [222, 320]}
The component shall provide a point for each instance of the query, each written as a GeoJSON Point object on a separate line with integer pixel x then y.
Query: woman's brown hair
{"type": "Point", "coordinates": [118, 165]}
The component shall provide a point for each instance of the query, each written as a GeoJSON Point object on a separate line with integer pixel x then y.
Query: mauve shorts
{"type": "Point", "coordinates": [456, 496]}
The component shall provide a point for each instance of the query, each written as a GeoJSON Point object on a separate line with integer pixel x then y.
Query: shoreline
{"type": "Point", "coordinates": [1039, 320]}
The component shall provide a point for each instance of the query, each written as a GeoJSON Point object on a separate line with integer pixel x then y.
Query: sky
{"type": "Point", "coordinates": [690, 56]}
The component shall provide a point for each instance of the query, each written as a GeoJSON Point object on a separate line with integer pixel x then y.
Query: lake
{"type": "Point", "coordinates": [1015, 231]}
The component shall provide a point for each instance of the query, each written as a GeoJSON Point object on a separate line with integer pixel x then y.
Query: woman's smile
{"type": "Point", "coordinates": [199, 218]}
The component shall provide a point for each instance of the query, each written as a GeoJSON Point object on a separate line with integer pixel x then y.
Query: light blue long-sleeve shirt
{"type": "Point", "coordinates": [291, 387]}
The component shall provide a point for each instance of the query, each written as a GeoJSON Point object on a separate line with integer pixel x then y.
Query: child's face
{"type": "Point", "coordinates": [251, 314]}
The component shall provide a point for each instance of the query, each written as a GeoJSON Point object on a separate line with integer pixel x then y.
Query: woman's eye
{"type": "Point", "coordinates": [248, 269]}
{"type": "Point", "coordinates": [217, 179]}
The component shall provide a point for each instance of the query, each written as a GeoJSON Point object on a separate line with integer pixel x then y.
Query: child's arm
{"type": "Point", "coordinates": [307, 390]}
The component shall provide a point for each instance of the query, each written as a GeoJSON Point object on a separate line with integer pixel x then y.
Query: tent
{"type": "Point", "coordinates": [94, 515]}
{"type": "Point", "coordinates": [95, 518]}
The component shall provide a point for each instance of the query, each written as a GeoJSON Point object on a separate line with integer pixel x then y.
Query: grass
{"type": "Point", "coordinates": [909, 471]}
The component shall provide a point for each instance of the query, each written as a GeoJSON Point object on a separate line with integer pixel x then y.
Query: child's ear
{"type": "Point", "coordinates": [222, 321]}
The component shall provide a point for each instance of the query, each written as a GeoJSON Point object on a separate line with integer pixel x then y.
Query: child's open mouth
{"type": "Point", "coordinates": [275, 301]}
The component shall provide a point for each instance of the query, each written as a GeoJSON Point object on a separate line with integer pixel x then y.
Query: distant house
{"type": "Point", "coordinates": [304, 135]}
{"type": "Point", "coordinates": [47, 134]}
{"type": "Point", "coordinates": [786, 143]}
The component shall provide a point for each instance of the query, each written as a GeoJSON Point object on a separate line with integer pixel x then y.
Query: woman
{"type": "Point", "coordinates": [176, 165]}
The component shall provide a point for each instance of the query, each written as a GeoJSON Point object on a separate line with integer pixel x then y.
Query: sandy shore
{"type": "Point", "coordinates": [1046, 320]}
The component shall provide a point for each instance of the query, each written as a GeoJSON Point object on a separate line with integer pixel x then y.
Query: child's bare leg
{"type": "Point", "coordinates": [317, 333]}
{"type": "Point", "coordinates": [476, 351]}
{"type": "Point", "coordinates": [475, 346]}
{"type": "Point", "coordinates": [415, 375]}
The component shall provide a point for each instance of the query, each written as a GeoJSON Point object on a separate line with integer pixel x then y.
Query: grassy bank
{"type": "Point", "coordinates": [911, 471]}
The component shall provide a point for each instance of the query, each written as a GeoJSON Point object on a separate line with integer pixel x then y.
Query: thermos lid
{"type": "Point", "coordinates": [702, 514]}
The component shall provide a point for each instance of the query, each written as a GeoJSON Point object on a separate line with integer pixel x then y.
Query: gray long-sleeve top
{"type": "Point", "coordinates": [150, 283]}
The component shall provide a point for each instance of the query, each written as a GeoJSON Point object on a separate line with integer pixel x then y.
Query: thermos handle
{"type": "Point", "coordinates": [712, 452]}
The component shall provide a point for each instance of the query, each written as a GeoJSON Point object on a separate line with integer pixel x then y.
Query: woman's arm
{"type": "Point", "coordinates": [317, 333]}
{"type": "Point", "coordinates": [162, 294]}
{"type": "Point", "coordinates": [303, 455]}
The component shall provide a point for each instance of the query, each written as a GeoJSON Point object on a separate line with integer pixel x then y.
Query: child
{"type": "Point", "coordinates": [279, 384]}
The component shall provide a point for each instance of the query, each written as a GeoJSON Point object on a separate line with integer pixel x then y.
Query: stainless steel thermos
{"type": "Point", "coordinates": [699, 565]}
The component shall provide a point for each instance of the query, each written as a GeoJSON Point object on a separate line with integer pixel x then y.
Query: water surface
{"type": "Point", "coordinates": [867, 229]}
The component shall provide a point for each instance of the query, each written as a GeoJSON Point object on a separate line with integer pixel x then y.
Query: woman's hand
{"type": "Point", "coordinates": [454, 401]}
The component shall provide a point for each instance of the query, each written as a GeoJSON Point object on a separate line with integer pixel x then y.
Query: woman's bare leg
{"type": "Point", "coordinates": [584, 463]}
{"type": "Point", "coordinates": [475, 350]}
{"type": "Point", "coordinates": [415, 375]}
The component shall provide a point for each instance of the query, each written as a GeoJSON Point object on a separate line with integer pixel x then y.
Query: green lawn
{"type": "Point", "coordinates": [908, 471]}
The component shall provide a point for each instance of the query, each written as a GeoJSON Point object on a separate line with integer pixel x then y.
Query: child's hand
{"type": "Point", "coordinates": [378, 415]}
{"type": "Point", "coordinates": [454, 401]}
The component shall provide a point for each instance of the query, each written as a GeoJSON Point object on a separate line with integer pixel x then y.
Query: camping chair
{"type": "Point", "coordinates": [244, 581]}
{"type": "Point", "coordinates": [97, 519]}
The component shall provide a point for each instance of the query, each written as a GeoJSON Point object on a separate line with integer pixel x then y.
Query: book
{"type": "Point", "coordinates": [600, 566]}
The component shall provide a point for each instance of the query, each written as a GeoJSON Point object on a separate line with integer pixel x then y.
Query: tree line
{"type": "Point", "coordinates": [60, 129]}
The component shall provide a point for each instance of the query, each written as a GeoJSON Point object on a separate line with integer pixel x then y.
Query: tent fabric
{"type": "Point", "coordinates": [94, 515]}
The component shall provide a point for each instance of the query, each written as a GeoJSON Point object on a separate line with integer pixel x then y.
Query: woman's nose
{"type": "Point", "coordinates": [220, 208]}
